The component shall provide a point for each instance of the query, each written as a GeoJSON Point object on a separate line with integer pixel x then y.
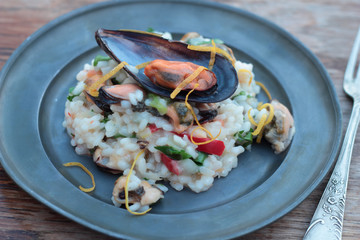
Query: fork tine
{"type": "Point", "coordinates": [349, 73]}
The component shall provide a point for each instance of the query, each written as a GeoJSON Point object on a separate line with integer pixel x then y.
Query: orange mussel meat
{"type": "Point", "coordinates": [170, 74]}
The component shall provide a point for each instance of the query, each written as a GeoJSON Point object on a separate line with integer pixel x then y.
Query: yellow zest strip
{"type": "Point", "coordinates": [246, 71]}
{"type": "Point", "coordinates": [271, 112]}
{"type": "Point", "coordinates": [265, 119]}
{"type": "Point", "coordinates": [126, 187]}
{"type": "Point", "coordinates": [212, 55]}
{"type": "Point", "coordinates": [70, 164]}
{"type": "Point", "coordinates": [259, 137]}
{"type": "Point", "coordinates": [142, 65]}
{"type": "Point", "coordinates": [197, 122]}
{"type": "Point", "coordinates": [209, 49]}
{"type": "Point", "coordinates": [207, 131]}
{"type": "Point", "coordinates": [93, 88]}
{"type": "Point", "coordinates": [265, 89]}
{"type": "Point", "coordinates": [139, 31]}
{"type": "Point", "coordinates": [187, 81]}
{"type": "Point", "coordinates": [251, 118]}
{"type": "Point", "coordinates": [260, 125]}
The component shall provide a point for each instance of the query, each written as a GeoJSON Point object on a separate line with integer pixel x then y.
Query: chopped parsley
{"type": "Point", "coordinates": [180, 154]}
{"type": "Point", "coordinates": [105, 120]}
{"type": "Point", "coordinates": [242, 93]}
{"type": "Point", "coordinates": [200, 158]}
{"type": "Point", "coordinates": [173, 153]}
{"type": "Point", "coordinates": [119, 136]}
{"type": "Point", "coordinates": [71, 89]}
{"type": "Point", "coordinates": [202, 41]}
{"type": "Point", "coordinates": [150, 30]}
{"type": "Point", "coordinates": [71, 96]}
{"type": "Point", "coordinates": [99, 58]}
{"type": "Point", "coordinates": [244, 138]}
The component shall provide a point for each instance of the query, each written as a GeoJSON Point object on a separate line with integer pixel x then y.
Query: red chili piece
{"type": "Point", "coordinates": [215, 147]}
{"type": "Point", "coordinates": [153, 127]}
{"type": "Point", "coordinates": [171, 164]}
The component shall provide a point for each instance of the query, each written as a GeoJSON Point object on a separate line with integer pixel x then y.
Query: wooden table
{"type": "Point", "coordinates": [327, 27]}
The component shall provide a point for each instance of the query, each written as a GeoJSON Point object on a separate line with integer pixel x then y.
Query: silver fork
{"type": "Point", "coordinates": [327, 221]}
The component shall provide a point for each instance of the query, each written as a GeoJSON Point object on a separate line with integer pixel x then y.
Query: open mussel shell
{"type": "Point", "coordinates": [136, 48]}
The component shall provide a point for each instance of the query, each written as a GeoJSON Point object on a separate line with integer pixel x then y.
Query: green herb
{"type": "Point", "coordinates": [71, 89]}
{"type": "Point", "coordinates": [92, 151]}
{"type": "Point", "coordinates": [200, 158]}
{"type": "Point", "coordinates": [249, 96]}
{"type": "Point", "coordinates": [71, 97]}
{"type": "Point", "coordinates": [105, 120]}
{"type": "Point", "coordinates": [173, 153]}
{"type": "Point", "coordinates": [157, 103]}
{"type": "Point", "coordinates": [244, 139]}
{"type": "Point", "coordinates": [242, 93]}
{"type": "Point", "coordinates": [146, 179]}
{"type": "Point", "coordinates": [99, 58]}
{"type": "Point", "coordinates": [201, 41]}
{"type": "Point", "coordinates": [150, 29]}
{"type": "Point", "coordinates": [119, 136]}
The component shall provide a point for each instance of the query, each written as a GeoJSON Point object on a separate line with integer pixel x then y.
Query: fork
{"type": "Point", "coordinates": [327, 221]}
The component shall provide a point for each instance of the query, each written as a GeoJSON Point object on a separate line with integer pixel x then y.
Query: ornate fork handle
{"type": "Point", "coordinates": [328, 218]}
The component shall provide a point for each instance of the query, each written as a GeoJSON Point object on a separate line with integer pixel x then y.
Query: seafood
{"type": "Point", "coordinates": [104, 162]}
{"type": "Point", "coordinates": [170, 74]}
{"type": "Point", "coordinates": [281, 130]}
{"type": "Point", "coordinates": [142, 193]}
{"type": "Point", "coordinates": [136, 48]}
{"type": "Point", "coordinates": [113, 94]}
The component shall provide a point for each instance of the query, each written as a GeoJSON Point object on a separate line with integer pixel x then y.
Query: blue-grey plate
{"type": "Point", "coordinates": [34, 84]}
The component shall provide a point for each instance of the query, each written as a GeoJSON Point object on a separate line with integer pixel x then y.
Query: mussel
{"type": "Point", "coordinates": [136, 47]}
{"type": "Point", "coordinates": [112, 95]}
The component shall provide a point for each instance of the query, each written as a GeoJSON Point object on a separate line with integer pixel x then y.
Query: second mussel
{"type": "Point", "coordinates": [135, 47]}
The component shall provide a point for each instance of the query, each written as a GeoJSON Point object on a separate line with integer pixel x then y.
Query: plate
{"type": "Point", "coordinates": [34, 84]}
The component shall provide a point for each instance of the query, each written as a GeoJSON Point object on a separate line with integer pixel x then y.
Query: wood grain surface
{"type": "Point", "coordinates": [327, 27]}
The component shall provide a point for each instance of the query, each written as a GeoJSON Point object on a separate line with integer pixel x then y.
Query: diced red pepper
{"type": "Point", "coordinates": [215, 147]}
{"type": "Point", "coordinates": [153, 127]}
{"type": "Point", "coordinates": [171, 164]}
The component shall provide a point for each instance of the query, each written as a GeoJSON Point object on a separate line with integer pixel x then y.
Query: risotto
{"type": "Point", "coordinates": [147, 138]}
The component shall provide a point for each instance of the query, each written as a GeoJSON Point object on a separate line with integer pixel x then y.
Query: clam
{"type": "Point", "coordinates": [137, 48]}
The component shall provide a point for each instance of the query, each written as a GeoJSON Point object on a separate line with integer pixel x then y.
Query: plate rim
{"type": "Point", "coordinates": [309, 54]}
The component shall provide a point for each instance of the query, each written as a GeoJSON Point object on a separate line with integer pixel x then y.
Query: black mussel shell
{"type": "Point", "coordinates": [136, 47]}
{"type": "Point", "coordinates": [104, 100]}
